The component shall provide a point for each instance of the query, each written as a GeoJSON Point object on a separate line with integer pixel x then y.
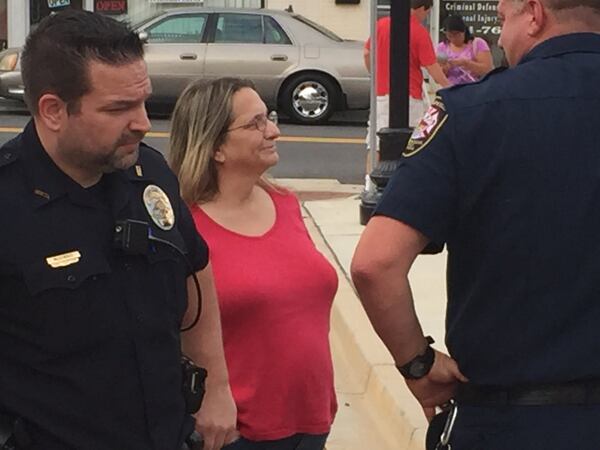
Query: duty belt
{"type": "Point", "coordinates": [572, 393]}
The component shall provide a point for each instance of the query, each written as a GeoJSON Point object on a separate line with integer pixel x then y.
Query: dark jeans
{"type": "Point", "coordinates": [526, 428]}
{"type": "Point", "coordinates": [296, 442]}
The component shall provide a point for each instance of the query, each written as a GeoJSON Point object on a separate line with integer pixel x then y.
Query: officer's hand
{"type": "Point", "coordinates": [439, 385]}
{"type": "Point", "coordinates": [216, 420]}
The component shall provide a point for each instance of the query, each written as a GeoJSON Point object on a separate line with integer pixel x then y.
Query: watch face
{"type": "Point", "coordinates": [418, 369]}
{"type": "Point", "coordinates": [419, 366]}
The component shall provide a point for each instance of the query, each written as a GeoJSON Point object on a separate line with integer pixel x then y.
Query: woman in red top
{"type": "Point", "coordinates": [275, 288]}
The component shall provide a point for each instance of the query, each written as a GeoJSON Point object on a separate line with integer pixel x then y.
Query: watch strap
{"type": "Point", "coordinates": [421, 364]}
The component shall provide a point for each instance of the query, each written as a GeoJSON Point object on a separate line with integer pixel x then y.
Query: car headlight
{"type": "Point", "coordinates": [8, 61]}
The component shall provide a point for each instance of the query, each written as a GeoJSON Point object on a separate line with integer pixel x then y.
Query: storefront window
{"type": "Point", "coordinates": [3, 25]}
{"type": "Point", "coordinates": [481, 17]}
{"type": "Point", "coordinates": [137, 12]}
{"type": "Point", "coordinates": [38, 9]}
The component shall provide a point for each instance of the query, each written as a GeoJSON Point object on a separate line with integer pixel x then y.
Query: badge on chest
{"type": "Point", "coordinates": [159, 207]}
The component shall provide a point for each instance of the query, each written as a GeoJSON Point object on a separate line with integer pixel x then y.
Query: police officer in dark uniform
{"type": "Point", "coordinates": [506, 173]}
{"type": "Point", "coordinates": [96, 256]}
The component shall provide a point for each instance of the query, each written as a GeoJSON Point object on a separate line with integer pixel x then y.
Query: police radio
{"type": "Point", "coordinates": [193, 384]}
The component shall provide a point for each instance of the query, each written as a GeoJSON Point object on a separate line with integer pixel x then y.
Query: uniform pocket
{"type": "Point", "coordinates": [69, 309]}
{"type": "Point", "coordinates": [41, 276]}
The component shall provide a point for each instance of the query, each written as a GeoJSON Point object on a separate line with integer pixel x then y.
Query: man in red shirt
{"type": "Point", "coordinates": [422, 55]}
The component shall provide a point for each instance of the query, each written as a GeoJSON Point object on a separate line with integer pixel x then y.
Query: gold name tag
{"type": "Point", "coordinates": [66, 259]}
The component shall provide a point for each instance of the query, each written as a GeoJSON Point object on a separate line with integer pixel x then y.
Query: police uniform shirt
{"type": "Point", "coordinates": [506, 172]}
{"type": "Point", "coordinates": [89, 335]}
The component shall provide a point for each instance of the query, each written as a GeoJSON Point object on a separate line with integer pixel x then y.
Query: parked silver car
{"type": "Point", "coordinates": [297, 65]}
{"type": "Point", "coordinates": [11, 85]}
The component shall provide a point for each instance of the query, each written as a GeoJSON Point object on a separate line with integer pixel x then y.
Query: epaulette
{"type": "Point", "coordinates": [8, 155]}
{"type": "Point", "coordinates": [493, 72]}
{"type": "Point", "coordinates": [490, 74]}
{"type": "Point", "coordinates": [150, 161]}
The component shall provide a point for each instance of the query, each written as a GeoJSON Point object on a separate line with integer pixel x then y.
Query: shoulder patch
{"type": "Point", "coordinates": [494, 72]}
{"type": "Point", "coordinates": [425, 131]}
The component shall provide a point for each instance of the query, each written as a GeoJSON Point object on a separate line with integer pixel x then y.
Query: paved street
{"type": "Point", "coordinates": [334, 151]}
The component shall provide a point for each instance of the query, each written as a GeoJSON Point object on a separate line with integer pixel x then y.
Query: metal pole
{"type": "Point", "coordinates": [434, 28]}
{"type": "Point", "coordinates": [17, 13]}
{"type": "Point", "coordinates": [88, 5]}
{"type": "Point", "coordinates": [373, 98]}
{"type": "Point", "coordinates": [393, 140]}
{"type": "Point", "coordinates": [368, 197]}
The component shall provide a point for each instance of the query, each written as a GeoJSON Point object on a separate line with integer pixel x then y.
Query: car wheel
{"type": "Point", "coordinates": [310, 98]}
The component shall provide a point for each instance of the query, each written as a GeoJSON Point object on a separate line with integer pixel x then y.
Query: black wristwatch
{"type": "Point", "coordinates": [421, 364]}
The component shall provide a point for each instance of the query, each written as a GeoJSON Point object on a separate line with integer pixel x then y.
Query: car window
{"type": "Point", "coordinates": [187, 28]}
{"type": "Point", "coordinates": [320, 28]}
{"type": "Point", "coordinates": [239, 28]}
{"type": "Point", "coordinates": [8, 61]}
{"type": "Point", "coordinates": [274, 34]}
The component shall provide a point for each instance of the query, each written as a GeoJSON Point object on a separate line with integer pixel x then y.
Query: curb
{"type": "Point", "coordinates": [397, 417]}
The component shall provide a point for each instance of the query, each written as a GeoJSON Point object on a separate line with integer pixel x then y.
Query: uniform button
{"type": "Point", "coordinates": [127, 266]}
{"type": "Point", "coordinates": [94, 278]}
{"type": "Point", "coordinates": [71, 278]}
{"type": "Point", "coordinates": [140, 318]}
{"type": "Point", "coordinates": [7, 155]}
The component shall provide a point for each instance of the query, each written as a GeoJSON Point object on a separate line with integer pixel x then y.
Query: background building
{"type": "Point", "coordinates": [3, 25]}
{"type": "Point", "coordinates": [350, 21]}
{"type": "Point", "coordinates": [347, 18]}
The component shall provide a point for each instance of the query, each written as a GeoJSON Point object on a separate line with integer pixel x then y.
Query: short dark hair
{"type": "Point", "coordinates": [57, 54]}
{"type": "Point", "coordinates": [416, 4]}
{"type": "Point", "coordinates": [559, 5]}
{"type": "Point", "coordinates": [456, 23]}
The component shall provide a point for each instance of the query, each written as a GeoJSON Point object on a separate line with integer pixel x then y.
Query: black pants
{"type": "Point", "coordinates": [554, 427]}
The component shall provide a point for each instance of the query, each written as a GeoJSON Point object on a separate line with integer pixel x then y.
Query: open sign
{"type": "Point", "coordinates": [110, 6]}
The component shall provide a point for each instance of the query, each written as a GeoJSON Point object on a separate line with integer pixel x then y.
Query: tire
{"type": "Point", "coordinates": [321, 97]}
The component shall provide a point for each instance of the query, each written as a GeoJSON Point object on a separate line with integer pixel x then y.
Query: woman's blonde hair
{"type": "Point", "coordinates": [199, 126]}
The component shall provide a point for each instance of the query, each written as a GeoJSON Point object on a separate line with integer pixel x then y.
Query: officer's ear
{"type": "Point", "coordinates": [52, 111]}
{"type": "Point", "coordinates": [538, 17]}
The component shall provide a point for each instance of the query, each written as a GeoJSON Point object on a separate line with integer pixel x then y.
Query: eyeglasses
{"type": "Point", "coordinates": [258, 123]}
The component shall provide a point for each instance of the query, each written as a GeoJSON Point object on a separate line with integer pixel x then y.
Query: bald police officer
{"type": "Point", "coordinates": [90, 306]}
{"type": "Point", "coordinates": [506, 173]}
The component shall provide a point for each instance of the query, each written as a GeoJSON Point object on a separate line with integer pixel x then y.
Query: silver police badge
{"type": "Point", "coordinates": [159, 207]}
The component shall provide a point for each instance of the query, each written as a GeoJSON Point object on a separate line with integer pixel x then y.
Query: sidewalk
{"type": "Point", "coordinates": [376, 410]}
